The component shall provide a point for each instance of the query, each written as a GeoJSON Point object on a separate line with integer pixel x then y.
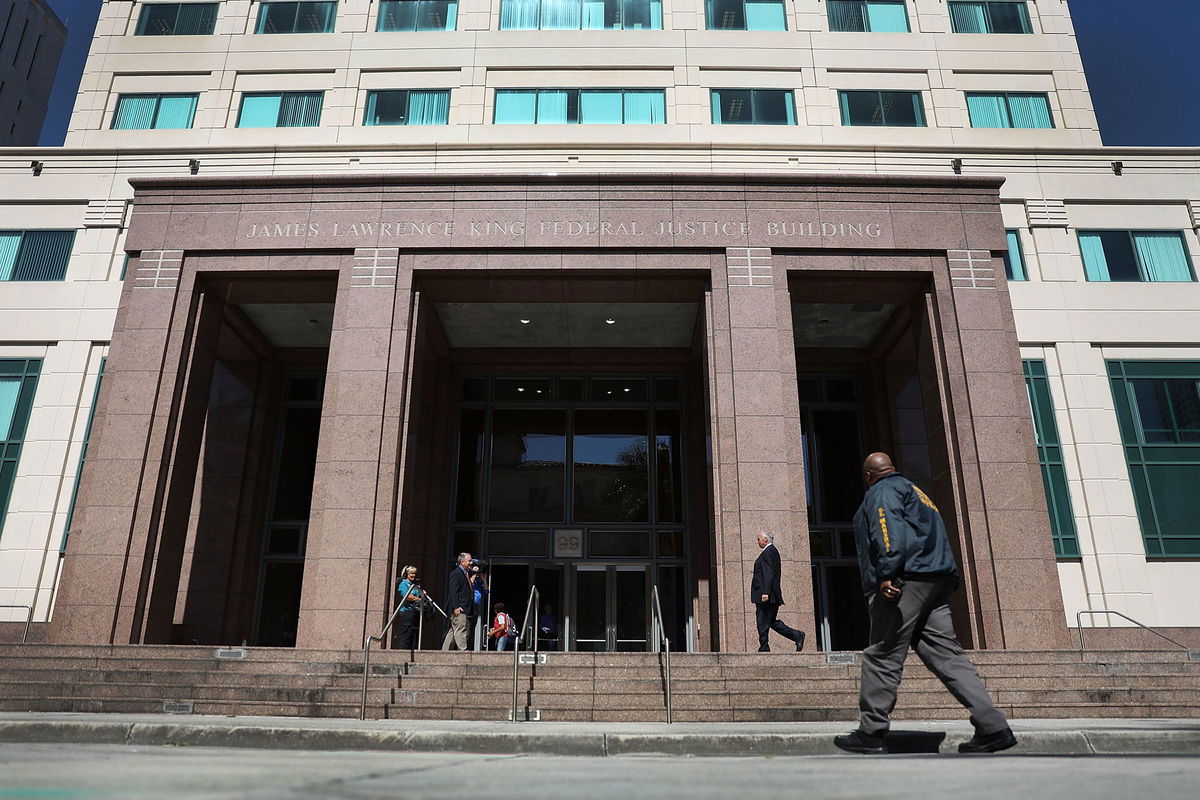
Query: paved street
{"type": "Point", "coordinates": [96, 772]}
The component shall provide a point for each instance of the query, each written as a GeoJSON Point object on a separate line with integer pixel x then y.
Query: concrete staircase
{"type": "Point", "coordinates": [601, 687]}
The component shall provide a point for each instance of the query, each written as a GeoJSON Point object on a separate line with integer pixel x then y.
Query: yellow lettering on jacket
{"type": "Point", "coordinates": [887, 544]}
{"type": "Point", "coordinates": [924, 498]}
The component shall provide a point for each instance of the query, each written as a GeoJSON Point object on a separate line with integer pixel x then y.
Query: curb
{"type": "Point", "coordinates": [1033, 742]}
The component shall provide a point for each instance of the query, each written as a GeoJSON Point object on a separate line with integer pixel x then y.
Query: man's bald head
{"type": "Point", "coordinates": [876, 466]}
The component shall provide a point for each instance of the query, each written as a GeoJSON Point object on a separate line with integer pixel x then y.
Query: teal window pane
{"type": "Point", "coordinates": [196, 19]}
{"type": "Point", "coordinates": [387, 108]}
{"type": "Point", "coordinates": [296, 17]}
{"type": "Point", "coordinates": [882, 108]}
{"type": "Point", "coordinates": [1008, 16]}
{"type": "Point", "coordinates": [429, 107]}
{"type": "Point", "coordinates": [176, 111]}
{"type": "Point", "coordinates": [765, 15]}
{"type": "Point", "coordinates": [10, 242]}
{"type": "Point", "coordinates": [594, 16]}
{"type": "Point", "coordinates": [519, 15]}
{"type": "Point", "coordinates": [10, 390]}
{"type": "Point", "coordinates": [554, 106]}
{"type": "Point", "coordinates": [1054, 476]}
{"type": "Point", "coordinates": [18, 382]}
{"type": "Point", "coordinates": [645, 107]}
{"type": "Point", "coordinates": [1095, 263]}
{"type": "Point", "coordinates": [43, 256]}
{"type": "Point", "coordinates": [515, 106]}
{"type": "Point", "coordinates": [417, 15]}
{"type": "Point", "coordinates": [602, 107]}
{"type": "Point", "coordinates": [968, 17]}
{"type": "Point", "coordinates": [1014, 258]}
{"type": "Point", "coordinates": [988, 111]}
{"type": "Point", "coordinates": [135, 112]}
{"type": "Point", "coordinates": [1029, 111]}
{"type": "Point", "coordinates": [561, 15]}
{"type": "Point", "coordinates": [1162, 256]}
{"type": "Point", "coordinates": [887, 17]}
{"type": "Point", "coordinates": [300, 109]}
{"type": "Point", "coordinates": [87, 438]}
{"type": "Point", "coordinates": [177, 19]}
{"type": "Point", "coordinates": [847, 15]}
{"type": "Point", "coordinates": [259, 111]}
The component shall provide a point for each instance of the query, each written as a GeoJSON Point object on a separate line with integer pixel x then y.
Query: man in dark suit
{"type": "Point", "coordinates": [460, 603]}
{"type": "Point", "coordinates": [767, 596]}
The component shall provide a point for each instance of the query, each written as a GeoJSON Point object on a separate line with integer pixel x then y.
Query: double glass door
{"type": "Point", "coordinates": [611, 608]}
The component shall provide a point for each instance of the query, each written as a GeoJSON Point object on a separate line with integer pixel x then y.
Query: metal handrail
{"type": "Point", "coordinates": [362, 710]}
{"type": "Point", "coordinates": [531, 613]}
{"type": "Point", "coordinates": [657, 618]}
{"type": "Point", "coordinates": [28, 616]}
{"type": "Point", "coordinates": [1079, 625]}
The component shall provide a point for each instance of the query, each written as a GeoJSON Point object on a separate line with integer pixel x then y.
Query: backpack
{"type": "Point", "coordinates": [510, 626]}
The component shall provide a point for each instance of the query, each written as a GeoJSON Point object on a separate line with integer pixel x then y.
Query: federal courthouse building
{"type": "Point", "coordinates": [594, 290]}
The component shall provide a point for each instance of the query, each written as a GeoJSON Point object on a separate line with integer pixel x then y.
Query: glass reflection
{"type": "Point", "coordinates": [528, 466]}
{"type": "Point", "coordinates": [611, 469]}
{"type": "Point", "coordinates": [668, 465]}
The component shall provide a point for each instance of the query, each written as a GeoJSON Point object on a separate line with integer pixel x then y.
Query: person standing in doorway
{"type": "Point", "coordinates": [767, 596]}
{"type": "Point", "coordinates": [908, 574]}
{"type": "Point", "coordinates": [409, 616]}
{"type": "Point", "coordinates": [460, 603]}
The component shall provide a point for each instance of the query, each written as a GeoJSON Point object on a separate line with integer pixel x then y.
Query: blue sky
{"type": "Point", "coordinates": [1139, 58]}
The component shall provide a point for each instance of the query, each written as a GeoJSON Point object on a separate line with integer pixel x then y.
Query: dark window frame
{"type": "Point", "coordinates": [28, 372]}
{"type": "Point", "coordinates": [915, 95]}
{"type": "Point", "coordinates": [715, 105]}
{"type": "Point", "coordinates": [60, 272]}
{"type": "Point", "coordinates": [866, 19]}
{"type": "Point", "coordinates": [264, 10]}
{"type": "Point", "coordinates": [1050, 457]}
{"type": "Point", "coordinates": [1027, 20]}
{"type": "Point", "coordinates": [149, 8]}
{"type": "Point", "coordinates": [1141, 268]}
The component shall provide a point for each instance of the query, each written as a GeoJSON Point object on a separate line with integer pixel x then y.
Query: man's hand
{"type": "Point", "coordinates": [765, 598]}
{"type": "Point", "coordinates": [457, 611]}
{"type": "Point", "coordinates": [889, 590]}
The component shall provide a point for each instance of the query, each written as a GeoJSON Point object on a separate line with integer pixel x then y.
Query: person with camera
{"type": "Point", "coordinates": [460, 603]}
{"type": "Point", "coordinates": [908, 574]}
{"type": "Point", "coordinates": [411, 603]}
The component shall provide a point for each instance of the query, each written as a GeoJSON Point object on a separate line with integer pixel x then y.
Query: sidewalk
{"type": "Point", "coordinates": [1048, 737]}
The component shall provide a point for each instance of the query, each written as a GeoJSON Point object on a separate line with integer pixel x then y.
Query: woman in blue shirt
{"type": "Point", "coordinates": [410, 609]}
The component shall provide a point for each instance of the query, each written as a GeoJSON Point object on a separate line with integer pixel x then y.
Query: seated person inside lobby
{"type": "Point", "coordinates": [548, 628]}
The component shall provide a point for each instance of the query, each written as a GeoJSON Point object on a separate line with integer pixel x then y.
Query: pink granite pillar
{"type": "Point", "coordinates": [1006, 529]}
{"type": "Point", "coordinates": [346, 567]}
{"type": "Point", "coordinates": [112, 543]}
{"type": "Point", "coordinates": [757, 447]}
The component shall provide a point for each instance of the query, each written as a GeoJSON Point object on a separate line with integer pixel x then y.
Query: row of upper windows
{"type": "Point", "coordinates": [585, 106]}
{"type": "Point", "coordinates": [868, 16]}
{"type": "Point", "coordinates": [1108, 255]}
{"type": "Point", "coordinates": [1118, 256]}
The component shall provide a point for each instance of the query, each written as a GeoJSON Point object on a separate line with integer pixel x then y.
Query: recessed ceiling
{"type": "Point", "coordinates": [292, 324]}
{"type": "Point", "coordinates": [623, 325]}
{"type": "Point", "coordinates": [839, 325]}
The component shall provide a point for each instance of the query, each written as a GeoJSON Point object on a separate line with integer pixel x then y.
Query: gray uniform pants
{"type": "Point", "coordinates": [921, 618]}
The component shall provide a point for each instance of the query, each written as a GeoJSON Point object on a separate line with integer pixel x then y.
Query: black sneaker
{"type": "Point", "coordinates": [989, 742]}
{"type": "Point", "coordinates": [859, 742]}
{"type": "Point", "coordinates": [799, 641]}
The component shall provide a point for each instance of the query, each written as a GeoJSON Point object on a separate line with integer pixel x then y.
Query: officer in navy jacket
{"type": "Point", "coordinates": [908, 574]}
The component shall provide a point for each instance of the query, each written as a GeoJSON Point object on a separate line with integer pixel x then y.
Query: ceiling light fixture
{"type": "Point", "coordinates": [610, 321]}
{"type": "Point", "coordinates": [525, 322]}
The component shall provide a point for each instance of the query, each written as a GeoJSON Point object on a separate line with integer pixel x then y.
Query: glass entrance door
{"type": "Point", "coordinates": [611, 608]}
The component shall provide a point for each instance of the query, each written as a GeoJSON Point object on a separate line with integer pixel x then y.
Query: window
{"type": "Point", "coordinates": [1014, 258]}
{"type": "Point", "coordinates": [1158, 409]}
{"type": "Point", "coordinates": [139, 112]}
{"type": "Point", "coordinates": [581, 14]}
{"type": "Point", "coordinates": [177, 19]}
{"type": "Point", "coordinates": [1135, 256]}
{"type": "Point", "coordinates": [18, 380]}
{"type": "Point", "coordinates": [893, 109]}
{"type": "Point", "coordinates": [876, 16]}
{"type": "Point", "coordinates": [417, 15]}
{"type": "Point", "coordinates": [992, 16]}
{"type": "Point", "coordinates": [408, 107]}
{"type": "Point", "coordinates": [35, 255]}
{"type": "Point", "coordinates": [280, 110]}
{"type": "Point", "coordinates": [87, 438]}
{"type": "Point", "coordinates": [296, 18]}
{"type": "Point", "coordinates": [745, 15]}
{"type": "Point", "coordinates": [1054, 476]}
{"type": "Point", "coordinates": [1009, 110]}
{"type": "Point", "coordinates": [753, 107]}
{"type": "Point", "coordinates": [584, 106]}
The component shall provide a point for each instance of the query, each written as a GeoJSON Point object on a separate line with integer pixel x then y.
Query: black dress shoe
{"type": "Point", "coordinates": [764, 649]}
{"type": "Point", "coordinates": [989, 742]}
{"type": "Point", "coordinates": [799, 641]}
{"type": "Point", "coordinates": [859, 742]}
